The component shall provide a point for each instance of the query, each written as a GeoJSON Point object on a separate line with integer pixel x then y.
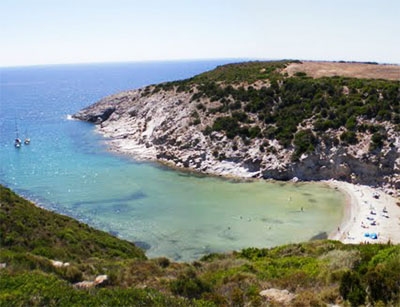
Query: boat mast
{"type": "Point", "coordinates": [17, 142]}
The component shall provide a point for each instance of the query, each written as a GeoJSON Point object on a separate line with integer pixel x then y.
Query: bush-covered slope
{"type": "Point", "coordinates": [282, 103]}
{"type": "Point", "coordinates": [254, 119]}
{"type": "Point", "coordinates": [29, 228]}
{"type": "Point", "coordinates": [314, 273]}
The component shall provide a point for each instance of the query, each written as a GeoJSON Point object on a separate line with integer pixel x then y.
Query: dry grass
{"type": "Point", "coordinates": [356, 70]}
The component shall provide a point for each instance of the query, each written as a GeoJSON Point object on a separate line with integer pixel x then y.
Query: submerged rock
{"type": "Point", "coordinates": [319, 236]}
{"type": "Point", "coordinates": [143, 245]}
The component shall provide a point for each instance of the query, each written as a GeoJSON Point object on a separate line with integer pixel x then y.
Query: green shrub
{"type": "Point", "coordinates": [341, 259]}
{"type": "Point", "coordinates": [72, 274]}
{"type": "Point", "coordinates": [383, 274]}
{"type": "Point", "coordinates": [189, 285]}
{"type": "Point", "coordinates": [201, 107]}
{"type": "Point", "coordinates": [288, 102]}
{"type": "Point", "coordinates": [254, 132]}
{"type": "Point", "coordinates": [227, 124]}
{"type": "Point", "coordinates": [304, 142]}
{"type": "Point", "coordinates": [300, 74]}
{"type": "Point", "coordinates": [351, 123]}
{"type": "Point", "coordinates": [34, 230]}
{"type": "Point", "coordinates": [351, 289]}
{"type": "Point", "coordinates": [240, 116]}
{"type": "Point", "coordinates": [163, 262]}
{"type": "Point", "coordinates": [377, 141]}
{"type": "Point", "coordinates": [348, 137]}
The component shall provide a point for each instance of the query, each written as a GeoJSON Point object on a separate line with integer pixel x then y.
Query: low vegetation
{"type": "Point", "coordinates": [55, 236]}
{"type": "Point", "coordinates": [273, 105]}
{"type": "Point", "coordinates": [317, 272]}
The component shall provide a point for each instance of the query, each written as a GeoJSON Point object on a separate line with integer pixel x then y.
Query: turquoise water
{"type": "Point", "coordinates": [67, 168]}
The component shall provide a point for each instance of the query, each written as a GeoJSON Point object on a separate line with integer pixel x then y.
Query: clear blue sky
{"type": "Point", "coordinates": [74, 31]}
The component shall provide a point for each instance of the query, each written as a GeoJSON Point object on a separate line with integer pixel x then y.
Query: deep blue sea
{"type": "Point", "coordinates": [68, 169]}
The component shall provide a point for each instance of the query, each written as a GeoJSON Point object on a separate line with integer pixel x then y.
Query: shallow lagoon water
{"type": "Point", "coordinates": [68, 169]}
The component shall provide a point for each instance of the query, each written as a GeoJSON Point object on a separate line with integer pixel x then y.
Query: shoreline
{"type": "Point", "coordinates": [357, 218]}
{"type": "Point", "coordinates": [366, 215]}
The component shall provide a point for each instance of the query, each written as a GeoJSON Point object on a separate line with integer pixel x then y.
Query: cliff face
{"type": "Point", "coordinates": [181, 126]}
{"type": "Point", "coordinates": [160, 127]}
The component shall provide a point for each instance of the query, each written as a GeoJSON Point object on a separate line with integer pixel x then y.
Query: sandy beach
{"type": "Point", "coordinates": [369, 213]}
{"type": "Point", "coordinates": [367, 219]}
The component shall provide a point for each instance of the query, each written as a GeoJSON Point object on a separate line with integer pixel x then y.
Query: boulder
{"type": "Point", "coordinates": [84, 285]}
{"type": "Point", "coordinates": [278, 296]}
{"type": "Point", "coordinates": [100, 280]}
{"type": "Point", "coordinates": [59, 264]}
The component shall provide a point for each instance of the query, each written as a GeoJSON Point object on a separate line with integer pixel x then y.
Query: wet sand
{"type": "Point", "coordinates": [366, 214]}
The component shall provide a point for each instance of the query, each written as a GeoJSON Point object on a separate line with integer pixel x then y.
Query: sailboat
{"type": "Point", "coordinates": [17, 141]}
{"type": "Point", "coordinates": [27, 140]}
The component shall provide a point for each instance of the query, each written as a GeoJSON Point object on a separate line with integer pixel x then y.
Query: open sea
{"type": "Point", "coordinates": [67, 169]}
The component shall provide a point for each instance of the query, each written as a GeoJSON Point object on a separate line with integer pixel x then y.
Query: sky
{"type": "Point", "coordinates": [36, 32]}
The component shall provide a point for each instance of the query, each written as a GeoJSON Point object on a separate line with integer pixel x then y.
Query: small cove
{"type": "Point", "coordinates": [183, 216]}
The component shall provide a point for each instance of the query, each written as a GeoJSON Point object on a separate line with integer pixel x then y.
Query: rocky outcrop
{"type": "Point", "coordinates": [100, 280]}
{"type": "Point", "coordinates": [59, 264]}
{"type": "Point", "coordinates": [167, 126]}
{"type": "Point", "coordinates": [283, 297]}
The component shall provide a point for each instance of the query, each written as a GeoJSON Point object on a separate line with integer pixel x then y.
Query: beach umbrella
{"type": "Point", "coordinates": [373, 236]}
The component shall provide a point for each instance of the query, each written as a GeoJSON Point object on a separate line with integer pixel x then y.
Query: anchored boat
{"type": "Point", "coordinates": [17, 142]}
{"type": "Point", "coordinates": [27, 140]}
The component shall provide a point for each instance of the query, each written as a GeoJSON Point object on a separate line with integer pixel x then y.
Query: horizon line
{"type": "Point", "coordinates": [233, 59]}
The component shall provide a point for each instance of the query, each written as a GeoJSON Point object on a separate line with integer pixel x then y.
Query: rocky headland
{"type": "Point", "coordinates": [271, 120]}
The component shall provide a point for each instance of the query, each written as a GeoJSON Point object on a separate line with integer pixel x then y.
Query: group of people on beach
{"type": "Point", "coordinates": [372, 221]}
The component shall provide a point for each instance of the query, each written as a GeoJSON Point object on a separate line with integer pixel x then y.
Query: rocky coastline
{"type": "Point", "coordinates": [168, 126]}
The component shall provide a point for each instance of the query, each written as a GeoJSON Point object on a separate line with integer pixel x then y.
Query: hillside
{"type": "Point", "coordinates": [346, 69]}
{"type": "Point", "coordinates": [276, 120]}
{"type": "Point", "coordinates": [308, 274]}
{"type": "Point", "coordinates": [55, 236]}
